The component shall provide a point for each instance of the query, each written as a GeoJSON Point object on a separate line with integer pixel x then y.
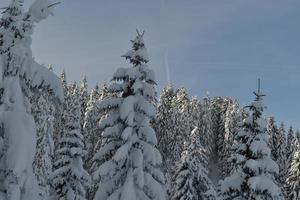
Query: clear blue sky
{"type": "Point", "coordinates": [217, 46]}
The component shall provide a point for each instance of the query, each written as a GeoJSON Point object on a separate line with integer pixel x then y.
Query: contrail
{"type": "Point", "coordinates": [166, 53]}
{"type": "Point", "coordinates": [167, 67]}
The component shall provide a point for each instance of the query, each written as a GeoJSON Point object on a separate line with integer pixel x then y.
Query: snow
{"type": "Point", "coordinates": [262, 183]}
{"type": "Point", "coordinates": [40, 10]}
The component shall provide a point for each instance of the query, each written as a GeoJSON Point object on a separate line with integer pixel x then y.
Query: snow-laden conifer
{"type": "Point", "coordinates": [192, 182]}
{"type": "Point", "coordinates": [20, 73]}
{"type": "Point", "coordinates": [254, 171]}
{"type": "Point", "coordinates": [43, 114]}
{"type": "Point", "coordinates": [70, 180]}
{"type": "Point", "coordinates": [290, 147]}
{"type": "Point", "coordinates": [130, 161]}
{"type": "Point", "coordinates": [293, 184]}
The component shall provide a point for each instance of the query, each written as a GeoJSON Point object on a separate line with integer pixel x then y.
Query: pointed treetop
{"type": "Point", "coordinates": [83, 82]}
{"type": "Point", "coordinates": [63, 77]}
{"type": "Point", "coordinates": [258, 94]}
{"type": "Point", "coordinates": [138, 54]}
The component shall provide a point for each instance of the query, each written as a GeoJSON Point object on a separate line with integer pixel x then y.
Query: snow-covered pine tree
{"type": "Point", "coordinates": [254, 170]}
{"type": "Point", "coordinates": [192, 182]}
{"type": "Point", "coordinates": [290, 147]}
{"type": "Point", "coordinates": [205, 125]}
{"type": "Point", "coordinates": [91, 129]}
{"type": "Point", "coordinates": [272, 131]}
{"type": "Point", "coordinates": [94, 133]}
{"type": "Point", "coordinates": [281, 154]}
{"type": "Point", "coordinates": [293, 184]}
{"type": "Point", "coordinates": [182, 128]}
{"type": "Point", "coordinates": [130, 169]}
{"type": "Point", "coordinates": [91, 125]}
{"type": "Point", "coordinates": [70, 180]}
{"type": "Point", "coordinates": [43, 114]}
{"type": "Point", "coordinates": [20, 73]}
{"type": "Point", "coordinates": [278, 145]}
{"type": "Point", "coordinates": [233, 116]}
{"type": "Point", "coordinates": [164, 125]}
{"type": "Point", "coordinates": [84, 98]}
{"type": "Point", "coordinates": [195, 113]}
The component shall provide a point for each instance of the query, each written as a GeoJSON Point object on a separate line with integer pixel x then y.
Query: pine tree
{"type": "Point", "coordinates": [281, 160]}
{"type": "Point", "coordinates": [272, 131]}
{"type": "Point", "coordinates": [84, 98]}
{"type": "Point", "coordinates": [182, 127]}
{"type": "Point", "coordinates": [205, 125]}
{"type": "Point", "coordinates": [278, 146]}
{"type": "Point", "coordinates": [130, 169]}
{"type": "Point", "coordinates": [293, 184]}
{"type": "Point", "coordinates": [254, 169]}
{"type": "Point", "coordinates": [163, 124]}
{"type": "Point", "coordinates": [290, 148]}
{"type": "Point", "coordinates": [69, 179]}
{"type": "Point", "coordinates": [233, 116]}
{"type": "Point", "coordinates": [192, 182]}
{"type": "Point", "coordinates": [91, 128]}
{"type": "Point", "coordinates": [42, 166]}
{"type": "Point", "coordinates": [20, 73]}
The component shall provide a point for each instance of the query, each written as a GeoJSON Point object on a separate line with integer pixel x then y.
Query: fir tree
{"type": "Point", "coordinates": [84, 98]}
{"type": "Point", "coordinates": [192, 182]}
{"type": "Point", "coordinates": [20, 73]}
{"type": "Point", "coordinates": [281, 153]}
{"type": "Point", "coordinates": [130, 169]}
{"type": "Point", "coordinates": [69, 179]}
{"type": "Point", "coordinates": [254, 170]}
{"type": "Point", "coordinates": [233, 116]}
{"type": "Point", "coordinates": [293, 184]}
{"type": "Point", "coordinates": [43, 114]}
{"type": "Point", "coordinates": [205, 125]}
{"type": "Point", "coordinates": [290, 147]}
{"type": "Point", "coordinates": [164, 127]}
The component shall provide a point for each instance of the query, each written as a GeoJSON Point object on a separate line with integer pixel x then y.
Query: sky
{"type": "Point", "coordinates": [208, 46]}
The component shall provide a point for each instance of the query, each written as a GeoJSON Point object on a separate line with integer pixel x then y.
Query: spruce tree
{"type": "Point", "coordinates": [192, 182]}
{"type": "Point", "coordinates": [254, 171]}
{"type": "Point", "coordinates": [70, 179]}
{"type": "Point", "coordinates": [289, 147]}
{"type": "Point", "coordinates": [130, 168]}
{"type": "Point", "coordinates": [20, 74]}
{"type": "Point", "coordinates": [281, 152]}
{"type": "Point", "coordinates": [163, 124]}
{"type": "Point", "coordinates": [293, 184]}
{"type": "Point", "coordinates": [233, 116]}
{"type": "Point", "coordinates": [205, 126]}
{"type": "Point", "coordinates": [42, 165]}
{"type": "Point", "coordinates": [84, 98]}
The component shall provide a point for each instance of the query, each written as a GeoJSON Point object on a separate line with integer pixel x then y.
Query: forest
{"type": "Point", "coordinates": [124, 141]}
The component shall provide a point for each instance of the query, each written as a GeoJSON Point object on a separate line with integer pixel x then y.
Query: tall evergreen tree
{"type": "Point", "coordinates": [130, 169]}
{"type": "Point", "coordinates": [19, 74]}
{"type": "Point", "coordinates": [69, 179]}
{"type": "Point", "coordinates": [281, 153]}
{"type": "Point", "coordinates": [233, 116]}
{"type": "Point", "coordinates": [192, 182]}
{"type": "Point", "coordinates": [205, 126]}
{"type": "Point", "coordinates": [254, 169]}
{"type": "Point", "coordinates": [293, 184]}
{"type": "Point", "coordinates": [290, 148]}
{"type": "Point", "coordinates": [43, 115]}
{"type": "Point", "coordinates": [84, 98]}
